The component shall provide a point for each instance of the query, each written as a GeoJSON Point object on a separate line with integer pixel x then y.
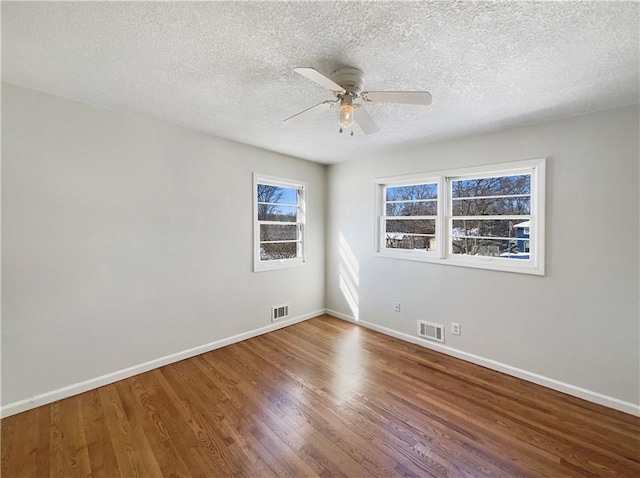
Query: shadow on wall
{"type": "Point", "coordinates": [349, 272]}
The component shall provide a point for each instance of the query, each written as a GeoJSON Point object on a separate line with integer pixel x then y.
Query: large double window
{"type": "Point", "coordinates": [279, 212]}
{"type": "Point", "coordinates": [489, 217]}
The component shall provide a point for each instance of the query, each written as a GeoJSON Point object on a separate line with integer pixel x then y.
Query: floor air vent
{"type": "Point", "coordinates": [279, 312]}
{"type": "Point", "coordinates": [431, 331]}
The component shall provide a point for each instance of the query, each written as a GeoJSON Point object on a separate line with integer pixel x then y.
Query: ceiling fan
{"type": "Point", "coordinates": [346, 84]}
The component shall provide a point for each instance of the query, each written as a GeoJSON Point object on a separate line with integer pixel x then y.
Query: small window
{"type": "Point", "coordinates": [489, 217]}
{"type": "Point", "coordinates": [279, 221]}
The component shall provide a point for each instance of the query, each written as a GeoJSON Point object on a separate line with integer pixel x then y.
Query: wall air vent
{"type": "Point", "coordinates": [431, 331]}
{"type": "Point", "coordinates": [279, 312]}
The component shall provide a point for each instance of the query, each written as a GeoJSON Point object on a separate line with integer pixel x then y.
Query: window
{"type": "Point", "coordinates": [489, 217]}
{"type": "Point", "coordinates": [410, 213]}
{"type": "Point", "coordinates": [279, 221]}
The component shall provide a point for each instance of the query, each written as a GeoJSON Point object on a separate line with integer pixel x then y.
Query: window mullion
{"type": "Point", "coordinates": [408, 218]}
{"type": "Point", "coordinates": [280, 223]}
{"type": "Point", "coordinates": [478, 217]}
{"type": "Point", "coordinates": [501, 196]}
{"type": "Point", "coordinates": [444, 211]}
{"type": "Point", "coordinates": [276, 204]}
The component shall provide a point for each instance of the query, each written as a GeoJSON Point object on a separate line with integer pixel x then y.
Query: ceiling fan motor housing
{"type": "Point", "coordinates": [351, 79]}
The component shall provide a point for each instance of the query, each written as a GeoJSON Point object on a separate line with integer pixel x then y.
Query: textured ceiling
{"type": "Point", "coordinates": [225, 68]}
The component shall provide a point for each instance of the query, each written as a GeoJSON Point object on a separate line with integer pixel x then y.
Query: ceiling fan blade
{"type": "Point", "coordinates": [365, 121]}
{"type": "Point", "coordinates": [319, 78]}
{"type": "Point", "coordinates": [405, 97]}
{"type": "Point", "coordinates": [310, 112]}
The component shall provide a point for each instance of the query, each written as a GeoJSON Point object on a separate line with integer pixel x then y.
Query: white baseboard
{"type": "Point", "coordinates": [76, 388]}
{"type": "Point", "coordinates": [551, 383]}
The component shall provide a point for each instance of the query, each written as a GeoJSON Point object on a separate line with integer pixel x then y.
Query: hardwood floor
{"type": "Point", "coordinates": [321, 398]}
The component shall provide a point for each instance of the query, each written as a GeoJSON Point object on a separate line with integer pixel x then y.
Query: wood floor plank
{"type": "Point", "coordinates": [99, 445]}
{"type": "Point", "coordinates": [131, 449]}
{"type": "Point", "coordinates": [69, 455]}
{"type": "Point", "coordinates": [322, 398]}
{"type": "Point", "coordinates": [19, 439]}
{"type": "Point", "coordinates": [150, 428]}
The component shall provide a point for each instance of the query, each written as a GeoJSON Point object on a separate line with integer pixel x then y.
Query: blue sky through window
{"type": "Point", "coordinates": [277, 194]}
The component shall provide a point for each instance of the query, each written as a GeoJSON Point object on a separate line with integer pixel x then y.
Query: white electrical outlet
{"type": "Point", "coordinates": [455, 328]}
{"type": "Point", "coordinates": [396, 306]}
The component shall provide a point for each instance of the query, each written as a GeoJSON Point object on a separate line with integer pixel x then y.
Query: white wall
{"type": "Point", "coordinates": [126, 240]}
{"type": "Point", "coordinates": [579, 324]}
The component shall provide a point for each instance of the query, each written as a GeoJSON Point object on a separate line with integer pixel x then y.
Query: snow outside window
{"type": "Point", "coordinates": [279, 222]}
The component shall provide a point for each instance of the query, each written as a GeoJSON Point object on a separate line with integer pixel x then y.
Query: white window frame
{"type": "Point", "coordinates": [260, 265]}
{"type": "Point", "coordinates": [444, 222]}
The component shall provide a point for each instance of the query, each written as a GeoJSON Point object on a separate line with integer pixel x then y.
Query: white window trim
{"type": "Point", "coordinates": [443, 255]}
{"type": "Point", "coordinates": [258, 264]}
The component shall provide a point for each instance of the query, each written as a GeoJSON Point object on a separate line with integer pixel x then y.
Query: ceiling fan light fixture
{"type": "Point", "coordinates": [346, 114]}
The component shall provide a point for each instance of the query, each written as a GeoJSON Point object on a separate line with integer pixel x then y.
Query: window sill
{"type": "Point", "coordinates": [407, 255]}
{"type": "Point", "coordinates": [263, 266]}
{"type": "Point", "coordinates": [488, 263]}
